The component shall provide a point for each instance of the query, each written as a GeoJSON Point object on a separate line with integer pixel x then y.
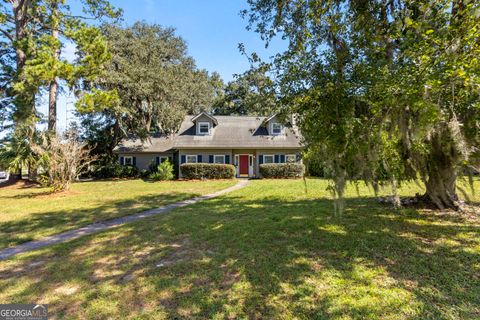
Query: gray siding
{"type": "Point", "coordinates": [273, 152]}
{"type": "Point", "coordinates": [143, 160]}
{"type": "Point", "coordinates": [205, 153]}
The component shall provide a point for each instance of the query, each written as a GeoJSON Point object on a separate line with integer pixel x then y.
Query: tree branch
{"type": "Point", "coordinates": [8, 35]}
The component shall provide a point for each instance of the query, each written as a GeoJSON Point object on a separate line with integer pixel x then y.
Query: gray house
{"type": "Point", "coordinates": [246, 142]}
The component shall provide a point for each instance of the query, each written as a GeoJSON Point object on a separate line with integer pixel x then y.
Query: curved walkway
{"type": "Point", "coordinates": [108, 224]}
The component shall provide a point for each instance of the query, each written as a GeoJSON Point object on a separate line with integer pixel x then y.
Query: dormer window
{"type": "Point", "coordinates": [277, 128]}
{"type": "Point", "coordinates": [204, 128]}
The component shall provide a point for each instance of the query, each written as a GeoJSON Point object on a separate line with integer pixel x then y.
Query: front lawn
{"type": "Point", "coordinates": [29, 213]}
{"type": "Point", "coordinates": [271, 251]}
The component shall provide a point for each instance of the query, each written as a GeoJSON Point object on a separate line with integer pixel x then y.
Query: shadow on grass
{"type": "Point", "coordinates": [47, 223]}
{"type": "Point", "coordinates": [233, 258]}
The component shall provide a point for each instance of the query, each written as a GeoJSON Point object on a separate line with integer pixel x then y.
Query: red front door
{"type": "Point", "coordinates": [244, 164]}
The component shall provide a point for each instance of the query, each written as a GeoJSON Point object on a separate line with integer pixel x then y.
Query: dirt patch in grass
{"type": "Point", "coordinates": [19, 184]}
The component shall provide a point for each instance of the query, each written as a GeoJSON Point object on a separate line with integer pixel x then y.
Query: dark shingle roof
{"type": "Point", "coordinates": [153, 144]}
{"type": "Point", "coordinates": [239, 132]}
{"type": "Point", "coordinates": [235, 132]}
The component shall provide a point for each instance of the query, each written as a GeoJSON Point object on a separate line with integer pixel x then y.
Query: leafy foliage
{"type": "Point", "coordinates": [382, 90]}
{"type": "Point", "coordinates": [282, 170]}
{"type": "Point", "coordinates": [207, 171]}
{"type": "Point", "coordinates": [32, 35]}
{"type": "Point", "coordinates": [250, 93]}
{"type": "Point", "coordinates": [155, 82]}
{"type": "Point", "coordinates": [114, 170]}
{"type": "Point", "coordinates": [163, 172]}
{"type": "Point", "coordinates": [17, 151]}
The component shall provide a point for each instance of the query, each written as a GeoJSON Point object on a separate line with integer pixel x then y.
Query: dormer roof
{"type": "Point", "coordinates": [214, 120]}
{"type": "Point", "coordinates": [267, 120]}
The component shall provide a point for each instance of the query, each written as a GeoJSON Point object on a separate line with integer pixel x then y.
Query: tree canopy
{"type": "Point", "coordinates": [32, 34]}
{"type": "Point", "coordinates": [250, 93]}
{"type": "Point", "coordinates": [157, 83]}
{"type": "Point", "coordinates": [385, 91]}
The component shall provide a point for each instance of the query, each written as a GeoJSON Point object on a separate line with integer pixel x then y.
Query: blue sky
{"type": "Point", "coordinates": [212, 29]}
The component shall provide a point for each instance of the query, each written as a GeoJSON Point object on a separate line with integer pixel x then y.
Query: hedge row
{"type": "Point", "coordinates": [207, 171]}
{"type": "Point", "coordinates": [115, 170]}
{"type": "Point", "coordinates": [282, 170]}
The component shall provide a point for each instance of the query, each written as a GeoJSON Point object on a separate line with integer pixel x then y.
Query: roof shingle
{"type": "Point", "coordinates": [239, 132]}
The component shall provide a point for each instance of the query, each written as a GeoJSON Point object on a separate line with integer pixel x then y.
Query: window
{"type": "Point", "coordinates": [289, 158]}
{"type": "Point", "coordinates": [268, 158]}
{"type": "Point", "coordinates": [204, 128]}
{"type": "Point", "coordinates": [277, 128]}
{"type": "Point", "coordinates": [128, 161]}
{"type": "Point", "coordinates": [191, 159]}
{"type": "Point", "coordinates": [163, 159]}
{"type": "Point", "coordinates": [219, 159]}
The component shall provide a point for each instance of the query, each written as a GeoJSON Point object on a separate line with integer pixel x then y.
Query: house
{"type": "Point", "coordinates": [244, 141]}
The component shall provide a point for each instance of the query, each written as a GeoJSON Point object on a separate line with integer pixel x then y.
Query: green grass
{"type": "Point", "coordinates": [30, 213]}
{"type": "Point", "coordinates": [267, 251]}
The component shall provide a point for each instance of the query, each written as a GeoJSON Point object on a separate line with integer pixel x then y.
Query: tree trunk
{"type": "Point", "coordinates": [52, 105]}
{"type": "Point", "coordinates": [14, 176]}
{"type": "Point", "coordinates": [32, 172]}
{"type": "Point", "coordinates": [25, 101]}
{"type": "Point", "coordinates": [441, 188]}
{"type": "Point", "coordinates": [53, 90]}
{"type": "Point", "coordinates": [339, 190]}
{"type": "Point", "coordinates": [20, 11]}
{"type": "Point", "coordinates": [441, 169]}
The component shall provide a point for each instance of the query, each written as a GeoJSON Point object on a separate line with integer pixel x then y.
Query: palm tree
{"type": "Point", "coordinates": [16, 152]}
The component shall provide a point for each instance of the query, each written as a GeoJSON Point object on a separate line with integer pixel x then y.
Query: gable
{"type": "Point", "coordinates": [235, 132]}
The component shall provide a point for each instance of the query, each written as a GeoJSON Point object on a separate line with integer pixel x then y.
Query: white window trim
{"type": "Point", "coordinates": [291, 155]}
{"type": "Point", "coordinates": [219, 155]}
{"type": "Point", "coordinates": [191, 155]}
{"type": "Point", "coordinates": [268, 155]}
{"type": "Point", "coordinates": [199, 124]}
{"type": "Point", "coordinates": [281, 129]}
{"type": "Point", "coordinates": [163, 157]}
{"type": "Point", "coordinates": [125, 160]}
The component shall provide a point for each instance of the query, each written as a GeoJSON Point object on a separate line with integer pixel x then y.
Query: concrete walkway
{"type": "Point", "coordinates": [108, 224]}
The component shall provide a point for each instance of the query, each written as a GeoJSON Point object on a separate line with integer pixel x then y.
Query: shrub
{"type": "Point", "coordinates": [207, 171]}
{"type": "Point", "coordinates": [314, 166]}
{"type": "Point", "coordinates": [144, 173]}
{"type": "Point", "coordinates": [164, 171]}
{"type": "Point", "coordinates": [282, 170]}
{"type": "Point", "coordinates": [115, 170]}
{"type": "Point", "coordinates": [64, 158]}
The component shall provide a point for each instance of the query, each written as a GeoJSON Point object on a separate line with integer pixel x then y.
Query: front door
{"type": "Point", "coordinates": [244, 165]}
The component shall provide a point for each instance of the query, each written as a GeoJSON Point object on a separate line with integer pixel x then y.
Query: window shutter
{"type": "Point", "coordinates": [134, 159]}
{"type": "Point", "coordinates": [157, 160]}
{"type": "Point", "coordinates": [277, 158]}
{"type": "Point", "coordinates": [199, 158]}
{"type": "Point", "coordinates": [183, 159]}
{"type": "Point", "coordinates": [282, 158]}
{"type": "Point", "coordinates": [122, 161]}
{"type": "Point", "coordinates": [299, 157]}
{"type": "Point", "coordinates": [227, 158]}
{"type": "Point", "coordinates": [210, 158]}
{"type": "Point", "coordinates": [260, 159]}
